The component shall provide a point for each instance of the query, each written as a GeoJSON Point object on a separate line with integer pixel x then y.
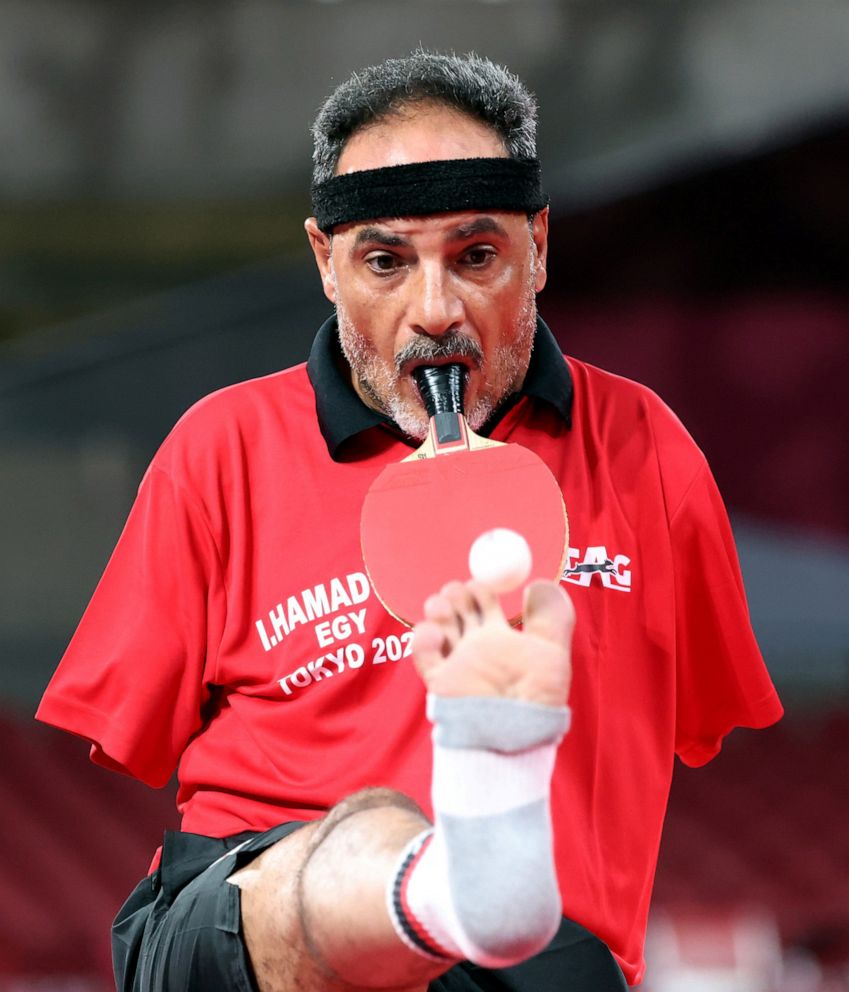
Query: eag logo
{"type": "Point", "coordinates": [612, 570]}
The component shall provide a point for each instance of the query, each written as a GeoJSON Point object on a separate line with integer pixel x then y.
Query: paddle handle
{"type": "Point", "coordinates": [441, 387]}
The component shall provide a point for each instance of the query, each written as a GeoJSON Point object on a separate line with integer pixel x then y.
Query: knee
{"type": "Point", "coordinates": [375, 796]}
{"type": "Point", "coordinates": [341, 885]}
{"type": "Point", "coordinates": [371, 798]}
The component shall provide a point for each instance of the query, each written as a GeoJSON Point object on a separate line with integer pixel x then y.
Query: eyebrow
{"type": "Point", "coordinates": [481, 225]}
{"type": "Point", "coordinates": [370, 235]}
{"type": "Point", "coordinates": [376, 235]}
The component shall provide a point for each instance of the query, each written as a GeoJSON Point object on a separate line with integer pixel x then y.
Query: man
{"type": "Point", "coordinates": [234, 634]}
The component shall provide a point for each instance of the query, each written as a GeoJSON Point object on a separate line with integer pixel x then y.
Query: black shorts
{"type": "Point", "coordinates": [180, 931]}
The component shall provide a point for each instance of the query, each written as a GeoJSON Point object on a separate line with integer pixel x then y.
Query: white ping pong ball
{"type": "Point", "coordinates": [501, 558]}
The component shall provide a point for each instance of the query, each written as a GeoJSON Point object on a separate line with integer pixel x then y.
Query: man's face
{"type": "Point", "coordinates": [429, 290]}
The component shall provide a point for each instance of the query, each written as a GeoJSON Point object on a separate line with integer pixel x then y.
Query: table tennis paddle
{"type": "Point", "coordinates": [421, 515]}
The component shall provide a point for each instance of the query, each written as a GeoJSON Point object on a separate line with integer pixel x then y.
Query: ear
{"type": "Point", "coordinates": [539, 232]}
{"type": "Point", "coordinates": [320, 244]}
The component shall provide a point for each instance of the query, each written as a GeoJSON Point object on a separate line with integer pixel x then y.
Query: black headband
{"type": "Point", "coordinates": [429, 188]}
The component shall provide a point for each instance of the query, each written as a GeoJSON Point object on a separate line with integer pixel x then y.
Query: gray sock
{"type": "Point", "coordinates": [483, 884]}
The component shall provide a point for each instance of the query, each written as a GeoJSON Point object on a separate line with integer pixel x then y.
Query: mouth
{"type": "Point", "coordinates": [452, 349]}
{"type": "Point", "coordinates": [408, 368]}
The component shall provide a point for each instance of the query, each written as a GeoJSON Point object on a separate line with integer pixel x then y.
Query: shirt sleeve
{"type": "Point", "coordinates": [136, 675]}
{"type": "Point", "coordinates": [722, 681]}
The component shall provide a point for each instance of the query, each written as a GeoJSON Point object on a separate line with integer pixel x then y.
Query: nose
{"type": "Point", "coordinates": [434, 306]}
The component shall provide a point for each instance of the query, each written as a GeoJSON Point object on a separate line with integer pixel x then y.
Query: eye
{"type": "Point", "coordinates": [382, 262]}
{"type": "Point", "coordinates": [479, 256]}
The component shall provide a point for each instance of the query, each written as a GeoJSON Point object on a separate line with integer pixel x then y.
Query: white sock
{"type": "Point", "coordinates": [481, 883]}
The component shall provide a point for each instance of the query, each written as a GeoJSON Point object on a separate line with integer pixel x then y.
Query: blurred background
{"type": "Point", "coordinates": [153, 181]}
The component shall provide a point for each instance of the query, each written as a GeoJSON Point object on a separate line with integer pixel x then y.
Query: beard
{"type": "Point", "coordinates": [379, 380]}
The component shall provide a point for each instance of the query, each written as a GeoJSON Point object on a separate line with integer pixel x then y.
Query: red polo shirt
{"type": "Point", "coordinates": [234, 635]}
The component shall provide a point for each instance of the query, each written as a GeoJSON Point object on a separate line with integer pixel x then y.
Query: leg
{"type": "Point", "coordinates": [485, 886]}
{"type": "Point", "coordinates": [314, 906]}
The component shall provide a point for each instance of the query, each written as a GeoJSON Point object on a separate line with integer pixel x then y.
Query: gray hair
{"type": "Point", "coordinates": [469, 83]}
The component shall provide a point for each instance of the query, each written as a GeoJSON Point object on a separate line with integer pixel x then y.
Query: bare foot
{"type": "Point", "coordinates": [465, 647]}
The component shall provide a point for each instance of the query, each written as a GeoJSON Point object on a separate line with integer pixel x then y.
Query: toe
{"type": "Point", "coordinates": [487, 606]}
{"type": "Point", "coordinates": [429, 647]}
{"type": "Point", "coordinates": [549, 613]}
{"type": "Point", "coordinates": [464, 600]}
{"type": "Point", "coordinates": [439, 610]}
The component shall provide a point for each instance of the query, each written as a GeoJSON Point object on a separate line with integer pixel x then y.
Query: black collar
{"type": "Point", "coordinates": [342, 414]}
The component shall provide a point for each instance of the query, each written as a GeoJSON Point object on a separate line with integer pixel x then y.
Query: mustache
{"type": "Point", "coordinates": [451, 345]}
